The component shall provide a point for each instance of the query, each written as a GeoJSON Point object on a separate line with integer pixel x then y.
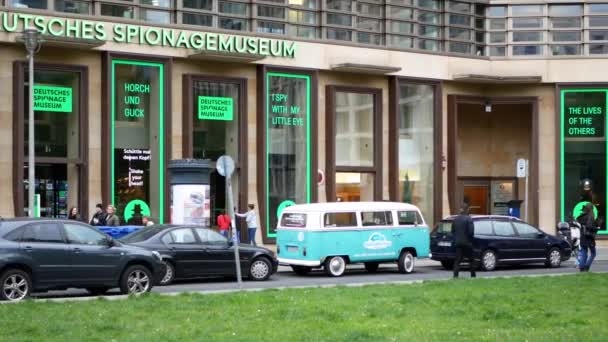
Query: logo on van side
{"type": "Point", "coordinates": [377, 241]}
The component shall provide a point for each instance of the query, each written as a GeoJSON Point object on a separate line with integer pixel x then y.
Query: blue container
{"type": "Point", "coordinates": [119, 232]}
{"type": "Point", "coordinates": [515, 208]}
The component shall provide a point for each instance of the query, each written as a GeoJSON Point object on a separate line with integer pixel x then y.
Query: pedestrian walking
{"type": "Point", "coordinates": [146, 221]}
{"type": "Point", "coordinates": [74, 215]}
{"type": "Point", "coordinates": [99, 218]}
{"type": "Point", "coordinates": [587, 240]}
{"type": "Point", "coordinates": [252, 222]}
{"type": "Point", "coordinates": [463, 231]}
{"type": "Point", "coordinates": [111, 219]}
{"type": "Point", "coordinates": [223, 223]}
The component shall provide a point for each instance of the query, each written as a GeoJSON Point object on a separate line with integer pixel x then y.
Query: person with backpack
{"type": "Point", "coordinates": [587, 240]}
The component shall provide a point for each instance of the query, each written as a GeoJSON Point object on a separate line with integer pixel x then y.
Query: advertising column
{"type": "Point", "coordinates": [288, 165]}
{"type": "Point", "coordinates": [137, 140]}
{"type": "Point", "coordinates": [583, 153]}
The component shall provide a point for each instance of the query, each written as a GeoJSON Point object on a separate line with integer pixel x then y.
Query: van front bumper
{"type": "Point", "coordinates": [296, 262]}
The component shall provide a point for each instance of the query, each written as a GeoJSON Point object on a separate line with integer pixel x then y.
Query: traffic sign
{"type": "Point", "coordinates": [225, 166]}
{"type": "Point", "coordinates": [522, 166]}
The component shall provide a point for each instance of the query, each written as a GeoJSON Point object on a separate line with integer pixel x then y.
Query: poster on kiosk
{"type": "Point", "coordinates": [191, 205]}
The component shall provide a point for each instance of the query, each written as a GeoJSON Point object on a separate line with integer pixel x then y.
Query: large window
{"type": "Point", "coordinates": [287, 123]}
{"type": "Point", "coordinates": [137, 140]}
{"type": "Point", "coordinates": [416, 150]}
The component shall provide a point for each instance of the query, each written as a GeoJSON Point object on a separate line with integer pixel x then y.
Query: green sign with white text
{"type": "Point", "coordinates": [215, 108]}
{"type": "Point", "coordinates": [584, 114]}
{"type": "Point", "coordinates": [52, 99]}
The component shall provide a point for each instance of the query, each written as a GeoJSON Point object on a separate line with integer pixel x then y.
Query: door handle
{"type": "Point", "coordinates": [28, 248]}
{"type": "Point", "coordinates": [77, 250]}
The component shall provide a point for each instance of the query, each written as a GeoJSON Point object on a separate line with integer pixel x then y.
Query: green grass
{"type": "Point", "coordinates": [566, 308]}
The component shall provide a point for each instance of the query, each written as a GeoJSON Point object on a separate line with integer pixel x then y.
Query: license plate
{"type": "Point", "coordinates": [292, 249]}
{"type": "Point", "coordinates": [444, 244]}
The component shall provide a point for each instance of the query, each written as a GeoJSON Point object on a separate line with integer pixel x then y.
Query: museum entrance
{"type": "Point", "coordinates": [487, 138]}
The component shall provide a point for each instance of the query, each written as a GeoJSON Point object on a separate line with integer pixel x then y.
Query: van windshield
{"type": "Point", "coordinates": [294, 220]}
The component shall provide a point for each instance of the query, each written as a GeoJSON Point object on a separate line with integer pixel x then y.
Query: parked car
{"type": "Point", "coordinates": [195, 252]}
{"type": "Point", "coordinates": [501, 240]}
{"type": "Point", "coordinates": [46, 254]}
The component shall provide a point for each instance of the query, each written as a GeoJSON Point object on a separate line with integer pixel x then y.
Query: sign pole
{"type": "Point", "coordinates": [526, 192]}
{"type": "Point", "coordinates": [225, 167]}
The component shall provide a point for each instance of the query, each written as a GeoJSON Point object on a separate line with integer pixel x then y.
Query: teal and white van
{"type": "Point", "coordinates": [332, 235]}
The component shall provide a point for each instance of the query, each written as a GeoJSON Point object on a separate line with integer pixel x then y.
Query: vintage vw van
{"type": "Point", "coordinates": [332, 235]}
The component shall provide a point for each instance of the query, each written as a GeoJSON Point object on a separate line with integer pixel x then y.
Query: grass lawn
{"type": "Point", "coordinates": [565, 308]}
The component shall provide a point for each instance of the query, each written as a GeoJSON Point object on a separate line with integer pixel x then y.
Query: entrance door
{"type": "Point", "coordinates": [477, 198]}
{"type": "Point", "coordinates": [51, 183]}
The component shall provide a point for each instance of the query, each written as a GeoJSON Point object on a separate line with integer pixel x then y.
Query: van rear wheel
{"type": "Point", "coordinates": [335, 266]}
{"type": "Point", "coordinates": [372, 267]}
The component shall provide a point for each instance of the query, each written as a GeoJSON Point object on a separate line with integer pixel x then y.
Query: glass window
{"type": "Point", "coordinates": [167, 239]}
{"type": "Point", "coordinates": [400, 12]}
{"type": "Point", "coordinates": [369, 9]}
{"type": "Point", "coordinates": [497, 11]}
{"type": "Point", "coordinates": [401, 27]}
{"type": "Point", "coordinates": [338, 34]}
{"type": "Point", "coordinates": [598, 21]}
{"type": "Point", "coordinates": [69, 6]}
{"type": "Point", "coordinates": [402, 41]}
{"type": "Point", "coordinates": [339, 19]}
{"type": "Point", "coordinates": [206, 5]}
{"type": "Point", "coordinates": [142, 234]}
{"type": "Point", "coordinates": [43, 232]}
{"type": "Point", "coordinates": [443, 227]}
{"type": "Point", "coordinates": [503, 228]}
{"type": "Point", "coordinates": [457, 19]}
{"type": "Point", "coordinates": [527, 23]}
{"type": "Point", "coordinates": [82, 235]}
{"type": "Point", "coordinates": [565, 10]}
{"type": "Point", "coordinates": [409, 217]}
{"type": "Point", "coordinates": [117, 11]}
{"type": "Point", "coordinates": [233, 8]}
{"type": "Point", "coordinates": [459, 33]}
{"type": "Point", "coordinates": [209, 237]}
{"type": "Point", "coordinates": [565, 22]}
{"type": "Point", "coordinates": [416, 145]}
{"type": "Point", "coordinates": [39, 4]}
{"type": "Point", "coordinates": [427, 44]}
{"type": "Point", "coordinates": [527, 36]}
{"type": "Point", "coordinates": [369, 38]}
{"type": "Point", "coordinates": [270, 27]}
{"type": "Point", "coordinates": [566, 36]}
{"type": "Point", "coordinates": [523, 10]}
{"type": "Point", "coordinates": [483, 228]}
{"type": "Point", "coordinates": [305, 17]}
{"type": "Point", "coordinates": [157, 3]}
{"type": "Point", "coordinates": [463, 7]}
{"type": "Point", "coordinates": [497, 51]}
{"type": "Point", "coordinates": [498, 37]}
{"type": "Point", "coordinates": [527, 50]}
{"type": "Point", "coordinates": [526, 230]}
{"type": "Point", "coordinates": [197, 19]}
{"type": "Point", "coordinates": [497, 24]}
{"type": "Point", "coordinates": [154, 16]}
{"type": "Point", "coordinates": [354, 129]}
{"type": "Point", "coordinates": [460, 47]}
{"type": "Point", "coordinates": [339, 5]}
{"type": "Point", "coordinates": [354, 187]}
{"type": "Point", "coordinates": [271, 12]}
{"type": "Point", "coordinates": [429, 31]}
{"type": "Point", "coordinates": [429, 17]}
{"type": "Point", "coordinates": [598, 8]}
{"type": "Point", "coordinates": [369, 24]}
{"type": "Point", "coordinates": [429, 4]}
{"type": "Point", "coordinates": [304, 31]}
{"type": "Point", "coordinates": [598, 35]}
{"type": "Point", "coordinates": [376, 218]}
{"type": "Point", "coordinates": [182, 236]}
{"type": "Point", "coordinates": [312, 4]}
{"type": "Point", "coordinates": [234, 24]}
{"type": "Point", "coordinates": [333, 220]}
{"type": "Point", "coordinates": [294, 220]}
{"type": "Point", "coordinates": [597, 49]}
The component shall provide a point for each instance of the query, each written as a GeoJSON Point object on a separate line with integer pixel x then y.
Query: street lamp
{"type": "Point", "coordinates": [31, 40]}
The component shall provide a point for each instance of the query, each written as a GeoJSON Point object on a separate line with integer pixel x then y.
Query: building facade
{"type": "Point", "coordinates": [422, 101]}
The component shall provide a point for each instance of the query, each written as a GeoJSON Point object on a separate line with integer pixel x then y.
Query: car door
{"type": "Point", "coordinates": [93, 260]}
{"type": "Point", "coordinates": [532, 240]}
{"type": "Point", "coordinates": [187, 252]}
{"type": "Point", "coordinates": [505, 239]}
{"type": "Point", "coordinates": [219, 258]}
{"type": "Point", "coordinates": [44, 244]}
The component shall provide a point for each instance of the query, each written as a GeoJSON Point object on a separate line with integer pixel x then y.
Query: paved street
{"type": "Point", "coordinates": [425, 270]}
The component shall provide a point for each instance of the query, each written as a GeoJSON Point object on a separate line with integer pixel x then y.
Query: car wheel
{"type": "Point", "coordinates": [447, 264]}
{"type": "Point", "coordinates": [301, 270]}
{"type": "Point", "coordinates": [406, 262]}
{"type": "Point", "coordinates": [136, 280]}
{"type": "Point", "coordinates": [97, 291]}
{"type": "Point", "coordinates": [169, 275]}
{"type": "Point", "coordinates": [554, 258]}
{"type": "Point", "coordinates": [489, 260]}
{"type": "Point", "coordinates": [16, 285]}
{"type": "Point", "coordinates": [372, 267]}
{"type": "Point", "coordinates": [335, 266]}
{"type": "Point", "coordinates": [260, 269]}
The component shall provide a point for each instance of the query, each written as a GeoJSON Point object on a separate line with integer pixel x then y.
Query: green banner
{"type": "Point", "coordinates": [215, 108]}
{"type": "Point", "coordinates": [52, 99]}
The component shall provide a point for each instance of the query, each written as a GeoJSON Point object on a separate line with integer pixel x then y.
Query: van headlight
{"type": "Point", "coordinates": [157, 255]}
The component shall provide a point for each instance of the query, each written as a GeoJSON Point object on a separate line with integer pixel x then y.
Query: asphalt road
{"type": "Point", "coordinates": [425, 270]}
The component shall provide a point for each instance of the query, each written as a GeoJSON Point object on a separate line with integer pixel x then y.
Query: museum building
{"type": "Point", "coordinates": [422, 101]}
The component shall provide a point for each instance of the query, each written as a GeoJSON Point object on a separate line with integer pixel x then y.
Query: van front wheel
{"type": "Point", "coordinates": [406, 262]}
{"type": "Point", "coordinates": [335, 266]}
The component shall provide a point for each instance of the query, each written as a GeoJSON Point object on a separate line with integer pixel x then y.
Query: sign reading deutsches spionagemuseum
{"type": "Point", "coordinates": [146, 35]}
{"type": "Point", "coordinates": [52, 99]}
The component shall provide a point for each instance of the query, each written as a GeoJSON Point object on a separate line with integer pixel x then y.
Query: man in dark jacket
{"type": "Point", "coordinates": [463, 232]}
{"type": "Point", "coordinates": [587, 240]}
{"type": "Point", "coordinates": [99, 218]}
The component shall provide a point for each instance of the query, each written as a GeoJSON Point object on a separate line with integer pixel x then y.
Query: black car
{"type": "Point", "coordinates": [196, 252]}
{"type": "Point", "coordinates": [45, 254]}
{"type": "Point", "coordinates": [501, 240]}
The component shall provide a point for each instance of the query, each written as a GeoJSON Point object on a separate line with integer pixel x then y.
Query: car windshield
{"type": "Point", "coordinates": [142, 234]}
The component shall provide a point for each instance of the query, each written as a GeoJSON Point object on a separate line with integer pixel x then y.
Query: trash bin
{"type": "Point", "coordinates": [515, 208]}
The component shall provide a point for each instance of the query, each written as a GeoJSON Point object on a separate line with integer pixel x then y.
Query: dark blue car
{"type": "Point", "coordinates": [501, 240]}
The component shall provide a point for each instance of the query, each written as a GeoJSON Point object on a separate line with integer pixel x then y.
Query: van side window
{"type": "Point", "coordinates": [376, 218]}
{"type": "Point", "coordinates": [296, 220]}
{"type": "Point", "coordinates": [407, 218]}
{"type": "Point", "coordinates": [332, 220]}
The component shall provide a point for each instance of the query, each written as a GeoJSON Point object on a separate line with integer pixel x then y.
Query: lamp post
{"type": "Point", "coordinates": [31, 40]}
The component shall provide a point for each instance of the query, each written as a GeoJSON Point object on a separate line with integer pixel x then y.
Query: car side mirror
{"type": "Point", "coordinates": [230, 243]}
{"type": "Point", "coordinates": [540, 234]}
{"type": "Point", "coordinates": [111, 242]}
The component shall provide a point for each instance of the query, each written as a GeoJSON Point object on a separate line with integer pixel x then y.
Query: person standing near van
{"type": "Point", "coordinates": [587, 239]}
{"type": "Point", "coordinates": [463, 231]}
{"type": "Point", "coordinates": [223, 223]}
{"type": "Point", "coordinates": [252, 222]}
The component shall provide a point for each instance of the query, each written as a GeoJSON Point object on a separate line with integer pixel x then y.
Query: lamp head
{"type": "Point", "coordinates": [31, 39]}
